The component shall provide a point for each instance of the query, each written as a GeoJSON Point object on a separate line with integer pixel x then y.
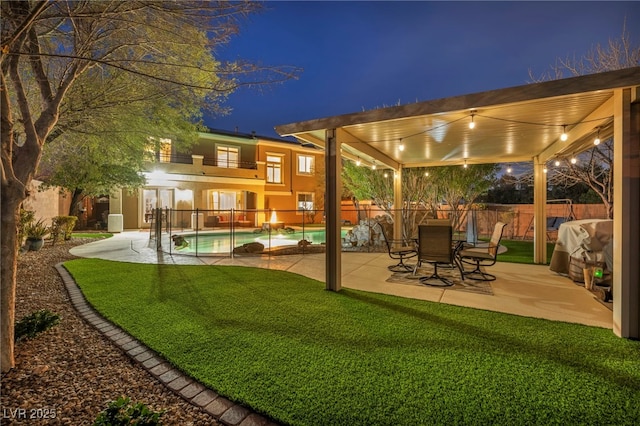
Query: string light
{"type": "Point", "coordinates": [373, 165]}
{"type": "Point", "coordinates": [574, 160]}
{"type": "Point", "coordinates": [544, 170]}
{"type": "Point", "coordinates": [358, 162]}
{"type": "Point", "coordinates": [426, 173]}
{"type": "Point", "coordinates": [509, 168]}
{"type": "Point", "coordinates": [401, 146]}
{"type": "Point", "coordinates": [563, 136]}
{"type": "Point", "coordinates": [472, 124]}
{"type": "Point", "coordinates": [386, 174]}
{"type": "Point", "coordinates": [596, 141]}
{"type": "Point", "coordinates": [465, 163]}
{"type": "Point", "coordinates": [557, 163]}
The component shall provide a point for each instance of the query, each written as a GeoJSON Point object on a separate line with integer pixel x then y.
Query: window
{"type": "Point", "coordinates": [305, 164]}
{"type": "Point", "coordinates": [222, 200]}
{"type": "Point", "coordinates": [160, 151]}
{"type": "Point", "coordinates": [305, 201]}
{"type": "Point", "coordinates": [228, 156]}
{"type": "Point", "coordinates": [274, 169]}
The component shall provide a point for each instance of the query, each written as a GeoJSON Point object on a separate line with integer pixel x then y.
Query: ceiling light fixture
{"type": "Point", "coordinates": [472, 124]}
{"type": "Point", "coordinates": [564, 136]}
{"type": "Point", "coordinates": [358, 162]}
{"type": "Point", "coordinates": [401, 146]}
{"type": "Point", "coordinates": [465, 163]}
{"type": "Point", "coordinates": [596, 141]}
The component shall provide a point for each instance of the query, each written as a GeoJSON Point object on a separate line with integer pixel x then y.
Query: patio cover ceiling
{"type": "Point", "coordinates": [512, 125]}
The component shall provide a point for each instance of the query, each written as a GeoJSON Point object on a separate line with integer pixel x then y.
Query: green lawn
{"type": "Point", "coordinates": [284, 346]}
{"type": "Point", "coordinates": [97, 235]}
{"type": "Point", "coordinates": [521, 251]}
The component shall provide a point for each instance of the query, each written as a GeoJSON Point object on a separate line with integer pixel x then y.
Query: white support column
{"type": "Point", "coordinates": [626, 210]}
{"type": "Point", "coordinates": [115, 219]}
{"type": "Point", "coordinates": [539, 212]}
{"type": "Point", "coordinates": [397, 204]}
{"type": "Point", "coordinates": [333, 185]}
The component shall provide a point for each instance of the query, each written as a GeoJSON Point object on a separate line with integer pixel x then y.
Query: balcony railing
{"type": "Point", "coordinates": [206, 161]}
{"type": "Point", "coordinates": [228, 164]}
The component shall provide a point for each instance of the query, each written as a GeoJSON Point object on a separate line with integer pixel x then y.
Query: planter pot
{"type": "Point", "coordinates": [35, 244]}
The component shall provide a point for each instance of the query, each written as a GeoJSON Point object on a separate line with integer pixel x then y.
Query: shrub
{"type": "Point", "coordinates": [36, 229]}
{"type": "Point", "coordinates": [62, 226]}
{"type": "Point", "coordinates": [34, 323]}
{"type": "Point", "coordinates": [26, 218]}
{"type": "Point", "coordinates": [123, 412]}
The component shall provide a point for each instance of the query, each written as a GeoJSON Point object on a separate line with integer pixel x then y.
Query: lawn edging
{"type": "Point", "coordinates": [192, 391]}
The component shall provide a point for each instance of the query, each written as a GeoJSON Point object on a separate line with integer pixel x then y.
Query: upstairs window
{"type": "Point", "coordinates": [305, 164]}
{"type": "Point", "coordinates": [228, 156]}
{"type": "Point", "coordinates": [274, 169]}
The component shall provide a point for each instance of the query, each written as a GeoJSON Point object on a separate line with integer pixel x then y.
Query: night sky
{"type": "Point", "coordinates": [362, 55]}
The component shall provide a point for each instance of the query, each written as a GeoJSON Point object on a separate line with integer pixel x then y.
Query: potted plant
{"type": "Point", "coordinates": [35, 232]}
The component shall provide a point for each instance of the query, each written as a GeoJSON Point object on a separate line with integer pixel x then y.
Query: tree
{"type": "Point", "coordinates": [597, 172]}
{"type": "Point", "coordinates": [423, 190]}
{"type": "Point", "coordinates": [594, 169]}
{"type": "Point", "coordinates": [459, 187]}
{"type": "Point", "coordinates": [81, 157]}
{"type": "Point", "coordinates": [53, 50]}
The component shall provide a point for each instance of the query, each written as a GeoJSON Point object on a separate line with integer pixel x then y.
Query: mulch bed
{"type": "Point", "coordinates": [71, 372]}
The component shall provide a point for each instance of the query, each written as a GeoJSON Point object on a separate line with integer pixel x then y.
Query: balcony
{"type": "Point", "coordinates": [208, 166]}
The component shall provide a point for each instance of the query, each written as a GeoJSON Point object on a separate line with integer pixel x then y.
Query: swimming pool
{"type": "Point", "coordinates": [222, 243]}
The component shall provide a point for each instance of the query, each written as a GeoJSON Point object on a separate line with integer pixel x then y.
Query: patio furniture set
{"type": "Point", "coordinates": [436, 246]}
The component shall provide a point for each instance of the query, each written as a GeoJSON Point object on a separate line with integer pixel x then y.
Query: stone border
{"type": "Point", "coordinates": [195, 393]}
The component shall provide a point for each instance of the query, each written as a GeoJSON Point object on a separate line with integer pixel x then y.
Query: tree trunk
{"type": "Point", "coordinates": [76, 198]}
{"type": "Point", "coordinates": [11, 201]}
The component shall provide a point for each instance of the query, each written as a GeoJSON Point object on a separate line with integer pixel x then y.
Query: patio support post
{"type": "Point", "coordinates": [333, 184]}
{"type": "Point", "coordinates": [626, 229]}
{"type": "Point", "coordinates": [397, 204]}
{"type": "Point", "coordinates": [539, 212]}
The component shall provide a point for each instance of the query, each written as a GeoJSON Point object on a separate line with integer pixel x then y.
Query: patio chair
{"type": "Point", "coordinates": [482, 256]}
{"type": "Point", "coordinates": [399, 250]}
{"type": "Point", "coordinates": [435, 246]}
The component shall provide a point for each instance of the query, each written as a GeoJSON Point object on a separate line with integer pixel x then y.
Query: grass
{"type": "Point", "coordinates": [521, 251]}
{"type": "Point", "coordinates": [96, 235]}
{"type": "Point", "coordinates": [280, 344]}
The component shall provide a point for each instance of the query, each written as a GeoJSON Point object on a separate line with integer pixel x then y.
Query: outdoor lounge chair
{"type": "Point", "coordinates": [399, 250]}
{"type": "Point", "coordinates": [482, 256]}
{"type": "Point", "coordinates": [435, 246]}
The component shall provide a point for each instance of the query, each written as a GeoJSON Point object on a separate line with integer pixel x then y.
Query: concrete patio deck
{"type": "Point", "coordinates": [526, 290]}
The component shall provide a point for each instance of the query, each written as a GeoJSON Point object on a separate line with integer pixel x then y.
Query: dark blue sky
{"type": "Point", "coordinates": [362, 55]}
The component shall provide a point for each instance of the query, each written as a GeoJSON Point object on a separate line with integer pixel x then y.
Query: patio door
{"type": "Point", "coordinates": [153, 198]}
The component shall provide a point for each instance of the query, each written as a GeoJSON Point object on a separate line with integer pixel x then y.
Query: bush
{"type": "Point", "coordinates": [26, 219]}
{"type": "Point", "coordinates": [37, 322]}
{"type": "Point", "coordinates": [62, 226]}
{"type": "Point", "coordinates": [122, 412]}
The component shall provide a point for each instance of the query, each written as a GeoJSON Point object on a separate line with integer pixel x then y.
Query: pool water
{"type": "Point", "coordinates": [221, 242]}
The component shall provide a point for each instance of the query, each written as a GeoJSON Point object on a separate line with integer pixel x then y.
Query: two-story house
{"type": "Point", "coordinates": [226, 173]}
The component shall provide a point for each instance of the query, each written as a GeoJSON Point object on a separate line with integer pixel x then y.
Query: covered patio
{"type": "Point", "coordinates": [536, 122]}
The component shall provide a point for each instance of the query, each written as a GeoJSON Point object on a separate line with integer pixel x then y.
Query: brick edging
{"type": "Point", "coordinates": [189, 389]}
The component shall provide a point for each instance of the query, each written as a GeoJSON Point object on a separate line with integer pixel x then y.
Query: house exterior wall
{"type": "Point", "coordinates": [205, 179]}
